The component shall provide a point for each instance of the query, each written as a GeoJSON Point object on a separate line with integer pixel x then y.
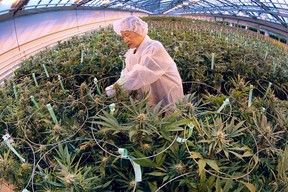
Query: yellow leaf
{"type": "Point", "coordinates": [256, 159]}
{"type": "Point", "coordinates": [212, 164]}
{"type": "Point", "coordinates": [247, 154]}
{"type": "Point", "coordinates": [201, 164]}
{"type": "Point", "coordinates": [196, 155]}
{"type": "Point", "coordinates": [250, 186]}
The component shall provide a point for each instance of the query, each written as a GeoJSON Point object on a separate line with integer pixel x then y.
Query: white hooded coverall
{"type": "Point", "coordinates": [151, 70]}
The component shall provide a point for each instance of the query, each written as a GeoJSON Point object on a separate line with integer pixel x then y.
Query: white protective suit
{"type": "Point", "coordinates": [151, 70]}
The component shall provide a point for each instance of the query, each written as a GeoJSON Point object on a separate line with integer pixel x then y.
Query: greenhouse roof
{"type": "Point", "coordinates": [271, 10]}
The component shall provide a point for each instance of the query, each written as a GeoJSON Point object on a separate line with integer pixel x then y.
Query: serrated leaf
{"type": "Point", "coordinates": [239, 189]}
{"type": "Point", "coordinates": [212, 164]}
{"type": "Point", "coordinates": [201, 164]}
{"type": "Point", "coordinates": [55, 184]}
{"type": "Point", "coordinates": [156, 173]}
{"type": "Point", "coordinates": [175, 147]}
{"type": "Point", "coordinates": [228, 185]}
{"type": "Point", "coordinates": [195, 155]}
{"type": "Point", "coordinates": [239, 148]}
{"type": "Point", "coordinates": [153, 186]}
{"type": "Point", "coordinates": [226, 154]}
{"type": "Point", "coordinates": [204, 141]}
{"type": "Point", "coordinates": [147, 162]}
{"type": "Point", "coordinates": [217, 185]}
{"type": "Point", "coordinates": [165, 178]}
{"type": "Point", "coordinates": [247, 154]}
{"type": "Point", "coordinates": [132, 133]}
{"type": "Point", "coordinates": [236, 127]}
{"type": "Point", "coordinates": [250, 186]}
{"type": "Point", "coordinates": [256, 159]}
{"type": "Point", "coordinates": [165, 135]}
{"type": "Point", "coordinates": [160, 159]}
{"type": "Point", "coordinates": [176, 125]}
{"type": "Point", "coordinates": [236, 154]}
{"type": "Point", "coordinates": [175, 129]}
{"type": "Point", "coordinates": [106, 184]}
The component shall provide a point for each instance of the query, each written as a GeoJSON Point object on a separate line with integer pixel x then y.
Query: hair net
{"type": "Point", "coordinates": [131, 23]}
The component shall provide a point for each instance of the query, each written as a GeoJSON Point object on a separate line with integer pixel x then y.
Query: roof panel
{"type": "Point", "coordinates": [47, 3]}
{"type": "Point", "coordinates": [277, 9]}
{"type": "Point", "coordinates": [5, 6]}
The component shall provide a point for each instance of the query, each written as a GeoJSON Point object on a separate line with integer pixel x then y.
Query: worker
{"type": "Point", "coordinates": [149, 69]}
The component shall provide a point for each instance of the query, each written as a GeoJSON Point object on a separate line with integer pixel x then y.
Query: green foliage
{"type": "Point", "coordinates": [240, 148]}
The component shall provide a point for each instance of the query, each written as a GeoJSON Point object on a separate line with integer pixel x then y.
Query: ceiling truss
{"type": "Point", "coordinates": [272, 10]}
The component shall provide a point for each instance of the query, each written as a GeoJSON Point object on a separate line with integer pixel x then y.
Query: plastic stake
{"type": "Point", "coordinates": [15, 91]}
{"type": "Point", "coordinates": [25, 190]}
{"type": "Point", "coordinates": [45, 69]}
{"type": "Point", "coordinates": [33, 100]}
{"type": "Point", "coordinates": [61, 84]}
{"type": "Point", "coordinates": [250, 96]}
{"type": "Point", "coordinates": [97, 87]}
{"type": "Point", "coordinates": [226, 102]}
{"type": "Point", "coordinates": [181, 140]}
{"type": "Point", "coordinates": [123, 152]}
{"type": "Point", "coordinates": [268, 88]}
{"type": "Point", "coordinates": [213, 61]}
{"type": "Point", "coordinates": [35, 80]}
{"type": "Point", "coordinates": [7, 139]}
{"type": "Point", "coordinates": [266, 54]}
{"type": "Point", "coordinates": [82, 55]}
{"type": "Point", "coordinates": [112, 108]}
{"type": "Point", "coordinates": [137, 169]}
{"type": "Point", "coordinates": [274, 66]}
{"type": "Point", "coordinates": [52, 113]}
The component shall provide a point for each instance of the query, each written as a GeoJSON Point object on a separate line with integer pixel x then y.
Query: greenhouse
{"type": "Point", "coordinates": [144, 95]}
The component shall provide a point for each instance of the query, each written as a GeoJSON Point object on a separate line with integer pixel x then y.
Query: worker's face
{"type": "Point", "coordinates": [132, 39]}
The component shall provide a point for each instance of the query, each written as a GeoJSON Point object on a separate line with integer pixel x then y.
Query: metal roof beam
{"type": "Point", "coordinates": [78, 3]}
{"type": "Point", "coordinates": [268, 10]}
{"type": "Point", "coordinates": [18, 6]}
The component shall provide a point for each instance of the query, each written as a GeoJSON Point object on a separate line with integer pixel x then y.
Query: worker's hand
{"type": "Point", "coordinates": [110, 91]}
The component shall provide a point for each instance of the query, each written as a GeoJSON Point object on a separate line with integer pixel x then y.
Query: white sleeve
{"type": "Point", "coordinates": [149, 70]}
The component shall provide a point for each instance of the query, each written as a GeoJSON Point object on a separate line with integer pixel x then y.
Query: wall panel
{"type": "Point", "coordinates": [24, 36]}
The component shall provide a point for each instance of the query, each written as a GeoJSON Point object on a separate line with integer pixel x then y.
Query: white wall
{"type": "Point", "coordinates": [24, 36]}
